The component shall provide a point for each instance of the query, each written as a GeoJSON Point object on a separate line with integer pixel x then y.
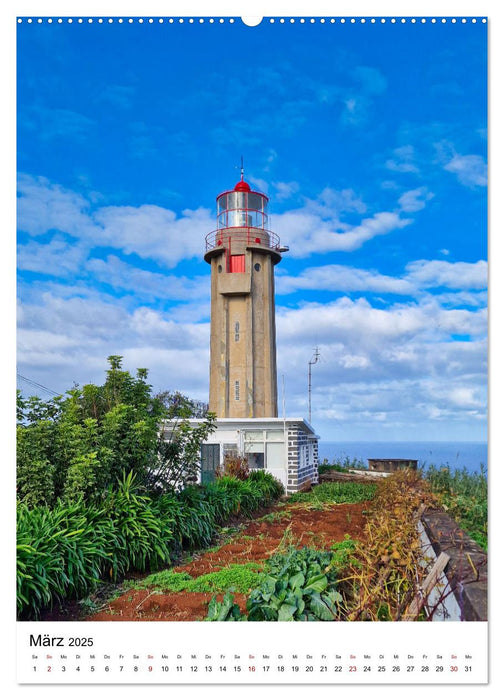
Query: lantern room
{"type": "Point", "coordinates": [242, 221]}
{"type": "Point", "coordinates": [242, 207]}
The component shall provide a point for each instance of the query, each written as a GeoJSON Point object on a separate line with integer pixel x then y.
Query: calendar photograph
{"type": "Point", "coordinates": [251, 349]}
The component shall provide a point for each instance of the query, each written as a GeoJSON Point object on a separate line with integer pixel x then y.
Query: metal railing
{"type": "Point", "coordinates": [241, 235]}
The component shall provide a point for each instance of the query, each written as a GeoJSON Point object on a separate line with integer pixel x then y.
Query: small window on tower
{"type": "Point", "coordinates": [237, 391]}
{"type": "Point", "coordinates": [237, 331]}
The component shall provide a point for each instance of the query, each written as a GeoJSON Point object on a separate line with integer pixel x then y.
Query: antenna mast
{"type": "Point", "coordinates": [313, 361]}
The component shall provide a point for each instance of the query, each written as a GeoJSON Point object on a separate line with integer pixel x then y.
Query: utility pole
{"type": "Point", "coordinates": [313, 361]}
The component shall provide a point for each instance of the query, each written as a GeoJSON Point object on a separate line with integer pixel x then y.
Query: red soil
{"type": "Point", "coordinates": [258, 540]}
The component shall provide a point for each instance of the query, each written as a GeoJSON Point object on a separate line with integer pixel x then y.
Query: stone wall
{"type": "Point", "coordinates": [467, 569]}
{"type": "Point", "coordinates": [302, 462]}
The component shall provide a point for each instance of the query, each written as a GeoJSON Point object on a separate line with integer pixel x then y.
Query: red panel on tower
{"type": "Point", "coordinates": [237, 263]}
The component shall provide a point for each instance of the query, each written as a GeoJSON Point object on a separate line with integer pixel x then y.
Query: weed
{"type": "Point", "coordinates": [384, 570]}
{"type": "Point", "coordinates": [236, 577]}
{"type": "Point", "coordinates": [275, 517]}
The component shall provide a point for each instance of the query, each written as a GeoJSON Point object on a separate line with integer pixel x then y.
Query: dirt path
{"type": "Point", "coordinates": [285, 524]}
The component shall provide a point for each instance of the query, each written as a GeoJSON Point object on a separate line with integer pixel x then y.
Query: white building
{"type": "Point", "coordinates": [288, 449]}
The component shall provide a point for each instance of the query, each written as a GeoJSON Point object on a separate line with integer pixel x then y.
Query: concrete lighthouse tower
{"type": "Point", "coordinates": [242, 253]}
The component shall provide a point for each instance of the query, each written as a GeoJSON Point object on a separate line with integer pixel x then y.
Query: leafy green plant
{"type": "Point", "coordinates": [225, 611]}
{"type": "Point", "coordinates": [166, 580]}
{"type": "Point", "coordinates": [240, 578]}
{"type": "Point", "coordinates": [342, 553]}
{"type": "Point", "coordinates": [142, 537]}
{"type": "Point", "coordinates": [298, 585]}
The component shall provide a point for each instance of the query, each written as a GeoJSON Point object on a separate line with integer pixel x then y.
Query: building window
{"type": "Point", "coordinates": [237, 391]}
{"type": "Point", "coordinates": [265, 449]}
{"type": "Point", "coordinates": [237, 331]}
{"type": "Point", "coordinates": [230, 451]}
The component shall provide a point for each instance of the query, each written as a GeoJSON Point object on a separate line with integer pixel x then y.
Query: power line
{"type": "Point", "coordinates": [37, 385]}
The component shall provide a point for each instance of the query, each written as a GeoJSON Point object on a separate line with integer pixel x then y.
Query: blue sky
{"type": "Point", "coordinates": [369, 139]}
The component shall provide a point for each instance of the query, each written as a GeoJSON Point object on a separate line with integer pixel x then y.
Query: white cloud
{"type": "Point", "coordinates": [331, 203]}
{"type": "Point", "coordinates": [415, 200]}
{"type": "Point", "coordinates": [146, 284]}
{"type": "Point", "coordinates": [419, 275]}
{"type": "Point", "coordinates": [307, 233]}
{"type": "Point", "coordinates": [343, 279]}
{"type": "Point", "coordinates": [390, 365]}
{"type": "Point", "coordinates": [470, 170]}
{"type": "Point", "coordinates": [285, 190]}
{"type": "Point", "coordinates": [43, 206]}
{"type": "Point", "coordinates": [149, 231]}
{"type": "Point", "coordinates": [58, 257]}
{"type": "Point", "coordinates": [440, 273]}
{"type": "Point", "coordinates": [403, 160]}
{"type": "Point", "coordinates": [67, 340]}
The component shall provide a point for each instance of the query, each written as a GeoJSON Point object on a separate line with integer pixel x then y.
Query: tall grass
{"type": "Point", "coordinates": [465, 495]}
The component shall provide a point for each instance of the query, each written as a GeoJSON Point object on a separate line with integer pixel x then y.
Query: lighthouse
{"type": "Point", "coordinates": [242, 253]}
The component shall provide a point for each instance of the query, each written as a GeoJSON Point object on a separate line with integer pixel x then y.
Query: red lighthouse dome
{"type": "Point", "coordinates": [242, 186]}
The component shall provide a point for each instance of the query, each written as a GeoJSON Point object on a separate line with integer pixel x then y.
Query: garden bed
{"type": "Point", "coordinates": [295, 524]}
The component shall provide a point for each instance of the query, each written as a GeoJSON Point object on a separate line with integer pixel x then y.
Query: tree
{"type": "Point", "coordinates": [179, 441]}
{"type": "Point", "coordinates": [80, 444]}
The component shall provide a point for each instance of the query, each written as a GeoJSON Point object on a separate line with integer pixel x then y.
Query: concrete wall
{"type": "Point", "coordinates": [243, 375]}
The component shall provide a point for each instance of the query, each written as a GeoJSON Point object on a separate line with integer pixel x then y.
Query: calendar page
{"type": "Point", "coordinates": [252, 341]}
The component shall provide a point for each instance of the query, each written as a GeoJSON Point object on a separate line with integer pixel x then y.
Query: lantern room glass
{"type": "Point", "coordinates": [242, 209]}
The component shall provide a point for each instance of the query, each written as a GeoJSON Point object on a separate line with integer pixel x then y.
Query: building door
{"type": "Point", "coordinates": [210, 460]}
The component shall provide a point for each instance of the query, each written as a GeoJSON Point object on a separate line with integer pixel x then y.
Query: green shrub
{"type": "Point", "coordinates": [197, 524]}
{"type": "Point", "coordinates": [66, 550]}
{"type": "Point", "coordinates": [141, 538]}
{"type": "Point", "coordinates": [60, 553]}
{"type": "Point", "coordinates": [271, 486]}
{"type": "Point", "coordinates": [341, 464]}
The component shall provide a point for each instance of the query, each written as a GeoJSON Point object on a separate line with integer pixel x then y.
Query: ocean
{"type": "Point", "coordinates": [454, 454]}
